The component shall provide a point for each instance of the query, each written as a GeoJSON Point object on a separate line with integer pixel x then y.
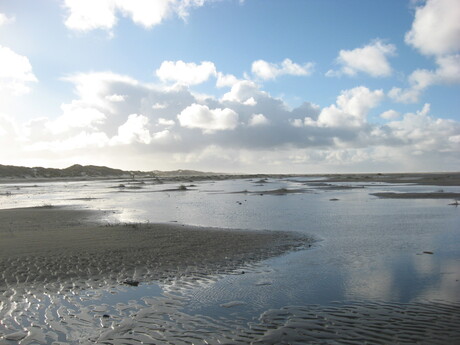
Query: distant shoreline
{"type": "Point", "coordinates": [436, 179]}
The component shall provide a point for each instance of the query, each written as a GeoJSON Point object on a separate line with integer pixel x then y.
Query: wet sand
{"type": "Point", "coordinates": [61, 249]}
{"type": "Point", "coordinates": [435, 179]}
{"type": "Point", "coordinates": [435, 195]}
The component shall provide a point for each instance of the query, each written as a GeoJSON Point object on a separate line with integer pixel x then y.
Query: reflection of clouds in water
{"type": "Point", "coordinates": [448, 286]}
{"type": "Point", "coordinates": [425, 264]}
{"type": "Point", "coordinates": [375, 283]}
{"type": "Point", "coordinates": [388, 280]}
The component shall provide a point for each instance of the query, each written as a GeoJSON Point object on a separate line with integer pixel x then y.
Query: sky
{"type": "Point", "coordinates": [240, 86]}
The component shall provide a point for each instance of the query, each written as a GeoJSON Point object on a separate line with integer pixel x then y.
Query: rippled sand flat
{"type": "Point", "coordinates": [48, 254]}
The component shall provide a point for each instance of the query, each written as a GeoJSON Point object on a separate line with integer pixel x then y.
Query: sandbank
{"type": "Point", "coordinates": [433, 195]}
{"type": "Point", "coordinates": [63, 248]}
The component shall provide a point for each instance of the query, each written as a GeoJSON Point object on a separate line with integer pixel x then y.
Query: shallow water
{"type": "Point", "coordinates": [373, 257]}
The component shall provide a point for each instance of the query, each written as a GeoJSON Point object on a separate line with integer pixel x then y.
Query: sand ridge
{"type": "Point", "coordinates": [61, 248]}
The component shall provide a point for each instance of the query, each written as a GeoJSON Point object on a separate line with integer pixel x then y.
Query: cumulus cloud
{"type": "Point", "coordinates": [266, 70]}
{"type": "Point", "coordinates": [435, 32]}
{"type": "Point", "coordinates": [237, 135]}
{"type": "Point", "coordinates": [224, 80]}
{"type": "Point", "coordinates": [133, 130]}
{"type": "Point", "coordinates": [423, 133]}
{"type": "Point", "coordinates": [86, 15]}
{"type": "Point", "coordinates": [76, 115]}
{"type": "Point", "coordinates": [436, 28]}
{"type": "Point", "coordinates": [244, 91]}
{"type": "Point", "coordinates": [186, 73]}
{"type": "Point", "coordinates": [447, 72]}
{"type": "Point", "coordinates": [209, 120]}
{"type": "Point", "coordinates": [350, 110]}
{"type": "Point", "coordinates": [15, 72]}
{"type": "Point", "coordinates": [258, 120]}
{"type": "Point", "coordinates": [371, 59]}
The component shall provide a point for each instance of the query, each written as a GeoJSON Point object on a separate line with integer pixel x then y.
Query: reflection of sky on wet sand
{"type": "Point", "coordinates": [425, 278]}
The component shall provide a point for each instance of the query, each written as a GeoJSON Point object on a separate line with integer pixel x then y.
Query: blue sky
{"type": "Point", "coordinates": [299, 86]}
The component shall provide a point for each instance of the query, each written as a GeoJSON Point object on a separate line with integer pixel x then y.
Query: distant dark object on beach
{"type": "Point", "coordinates": [131, 282]}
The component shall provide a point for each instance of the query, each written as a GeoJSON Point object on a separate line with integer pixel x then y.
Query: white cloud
{"type": "Point", "coordinates": [423, 133]}
{"type": "Point", "coordinates": [243, 91]}
{"type": "Point", "coordinates": [4, 19]}
{"type": "Point", "coordinates": [258, 120]}
{"type": "Point", "coordinates": [15, 72]}
{"type": "Point", "coordinates": [209, 120]}
{"type": "Point", "coordinates": [186, 73]}
{"type": "Point", "coordinates": [238, 136]}
{"type": "Point", "coordinates": [76, 115]}
{"type": "Point", "coordinates": [435, 32]}
{"type": "Point", "coordinates": [164, 137]}
{"type": "Point", "coordinates": [224, 80]}
{"type": "Point", "coordinates": [390, 115]}
{"type": "Point", "coordinates": [250, 101]}
{"type": "Point", "coordinates": [266, 70]}
{"type": "Point", "coordinates": [370, 59]}
{"type": "Point", "coordinates": [165, 122]}
{"type": "Point", "coordinates": [351, 108]}
{"type": "Point", "coordinates": [447, 72]}
{"type": "Point", "coordinates": [94, 88]}
{"type": "Point", "coordinates": [436, 27]}
{"type": "Point", "coordinates": [115, 98]}
{"type": "Point", "coordinates": [133, 130]}
{"type": "Point", "coordinates": [86, 15]}
{"type": "Point", "coordinates": [410, 95]}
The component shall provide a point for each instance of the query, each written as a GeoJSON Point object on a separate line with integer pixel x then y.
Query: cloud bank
{"type": "Point", "coordinates": [150, 122]}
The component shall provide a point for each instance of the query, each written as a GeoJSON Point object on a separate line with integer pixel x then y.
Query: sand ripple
{"type": "Point", "coordinates": [86, 318]}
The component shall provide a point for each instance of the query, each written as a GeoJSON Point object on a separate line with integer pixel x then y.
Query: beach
{"type": "Point", "coordinates": [68, 248]}
{"type": "Point", "coordinates": [252, 260]}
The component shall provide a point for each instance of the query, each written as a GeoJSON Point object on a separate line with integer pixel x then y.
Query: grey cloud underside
{"type": "Point", "coordinates": [278, 133]}
{"type": "Point", "coordinates": [150, 118]}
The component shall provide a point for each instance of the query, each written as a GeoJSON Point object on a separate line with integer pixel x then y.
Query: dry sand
{"type": "Point", "coordinates": [63, 249]}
